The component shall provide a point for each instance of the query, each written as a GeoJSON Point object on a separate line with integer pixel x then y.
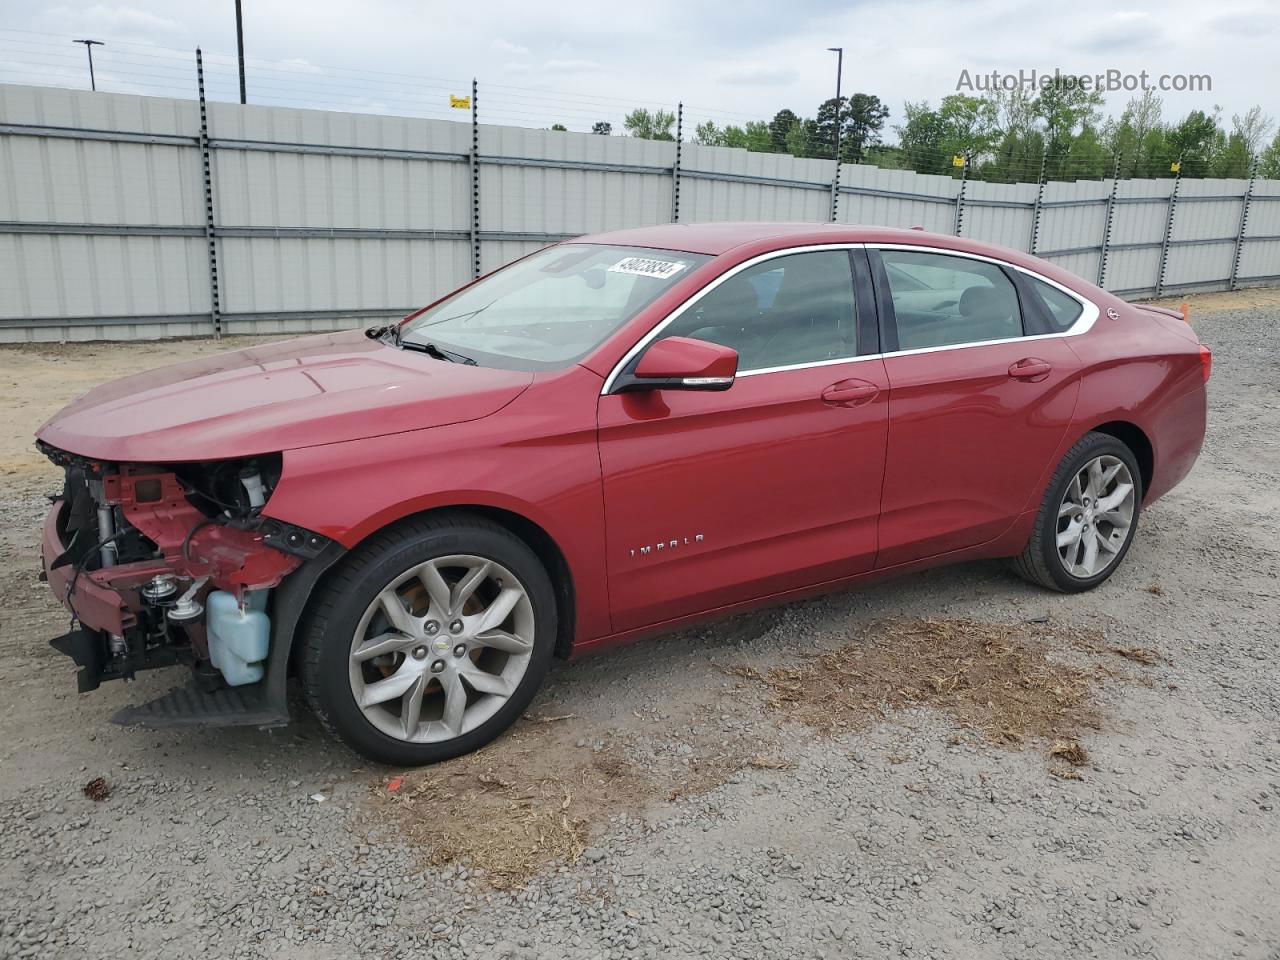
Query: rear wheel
{"type": "Point", "coordinates": [1088, 518]}
{"type": "Point", "coordinates": [430, 641]}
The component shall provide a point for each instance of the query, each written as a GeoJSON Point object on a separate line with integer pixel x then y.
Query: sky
{"type": "Point", "coordinates": [576, 62]}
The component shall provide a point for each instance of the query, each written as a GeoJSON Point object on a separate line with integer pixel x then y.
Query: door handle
{"type": "Point", "coordinates": [850, 393]}
{"type": "Point", "coordinates": [1030, 368]}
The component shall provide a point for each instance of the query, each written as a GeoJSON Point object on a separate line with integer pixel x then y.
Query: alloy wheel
{"type": "Point", "coordinates": [441, 648]}
{"type": "Point", "coordinates": [1095, 516]}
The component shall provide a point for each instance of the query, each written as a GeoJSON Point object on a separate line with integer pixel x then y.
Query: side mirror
{"type": "Point", "coordinates": [682, 363]}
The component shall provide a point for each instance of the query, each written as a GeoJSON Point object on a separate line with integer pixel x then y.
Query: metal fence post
{"type": "Point", "coordinates": [1168, 229]}
{"type": "Point", "coordinates": [1107, 223]}
{"type": "Point", "coordinates": [964, 180]}
{"type": "Point", "coordinates": [210, 230]}
{"type": "Point", "coordinates": [1244, 223]}
{"type": "Point", "coordinates": [835, 192]}
{"type": "Point", "coordinates": [1035, 217]}
{"type": "Point", "coordinates": [475, 180]}
{"type": "Point", "coordinates": [675, 170]}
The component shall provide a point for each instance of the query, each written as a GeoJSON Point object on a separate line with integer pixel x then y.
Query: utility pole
{"type": "Point", "coordinates": [88, 48]}
{"type": "Point", "coordinates": [839, 52]}
{"type": "Point", "coordinates": [240, 49]}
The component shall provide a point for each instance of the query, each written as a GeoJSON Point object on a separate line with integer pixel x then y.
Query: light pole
{"type": "Point", "coordinates": [240, 49]}
{"type": "Point", "coordinates": [839, 52]}
{"type": "Point", "coordinates": [88, 48]}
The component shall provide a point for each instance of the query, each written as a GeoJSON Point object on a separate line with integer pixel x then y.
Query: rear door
{"type": "Point", "coordinates": [980, 399]}
{"type": "Point", "coordinates": [773, 484]}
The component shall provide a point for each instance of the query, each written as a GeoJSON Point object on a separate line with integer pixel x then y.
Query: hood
{"type": "Point", "coordinates": [298, 393]}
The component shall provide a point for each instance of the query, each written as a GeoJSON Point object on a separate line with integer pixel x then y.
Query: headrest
{"type": "Point", "coordinates": [986, 302]}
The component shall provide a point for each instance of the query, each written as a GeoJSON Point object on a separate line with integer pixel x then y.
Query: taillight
{"type": "Point", "coordinates": [1206, 362]}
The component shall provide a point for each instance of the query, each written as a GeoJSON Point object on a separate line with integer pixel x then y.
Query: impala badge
{"type": "Point", "coordinates": [662, 545]}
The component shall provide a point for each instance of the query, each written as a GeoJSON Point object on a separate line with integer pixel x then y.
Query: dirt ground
{"type": "Point", "coordinates": [952, 765]}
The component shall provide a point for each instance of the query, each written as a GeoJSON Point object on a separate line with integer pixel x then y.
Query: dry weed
{"type": "Point", "coordinates": [1070, 751]}
{"type": "Point", "coordinates": [529, 801]}
{"type": "Point", "coordinates": [1143, 655]}
{"type": "Point", "coordinates": [999, 679]}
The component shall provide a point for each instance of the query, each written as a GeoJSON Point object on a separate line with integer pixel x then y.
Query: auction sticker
{"type": "Point", "coordinates": [647, 267]}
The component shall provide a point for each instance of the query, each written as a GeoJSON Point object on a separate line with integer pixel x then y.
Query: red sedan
{"type": "Point", "coordinates": [608, 438]}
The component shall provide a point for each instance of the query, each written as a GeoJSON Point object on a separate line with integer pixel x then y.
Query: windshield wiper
{"type": "Point", "coordinates": [431, 350]}
{"type": "Point", "coordinates": [391, 334]}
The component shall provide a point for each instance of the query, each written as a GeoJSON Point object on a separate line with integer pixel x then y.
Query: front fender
{"type": "Point", "coordinates": [550, 476]}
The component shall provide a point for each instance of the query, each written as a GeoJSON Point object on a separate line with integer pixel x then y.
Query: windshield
{"type": "Point", "coordinates": [552, 308]}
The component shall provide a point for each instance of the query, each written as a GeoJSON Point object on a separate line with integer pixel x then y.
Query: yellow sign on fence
{"type": "Point", "coordinates": [1175, 166]}
{"type": "Point", "coordinates": [459, 103]}
{"type": "Point", "coordinates": [957, 160]}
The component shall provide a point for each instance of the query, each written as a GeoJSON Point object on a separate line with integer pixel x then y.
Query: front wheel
{"type": "Point", "coordinates": [1088, 517]}
{"type": "Point", "coordinates": [430, 641]}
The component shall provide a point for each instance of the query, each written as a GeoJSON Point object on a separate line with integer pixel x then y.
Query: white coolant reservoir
{"type": "Point", "coordinates": [238, 635]}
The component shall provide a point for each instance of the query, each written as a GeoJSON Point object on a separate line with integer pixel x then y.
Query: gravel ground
{"type": "Point", "coordinates": [908, 837]}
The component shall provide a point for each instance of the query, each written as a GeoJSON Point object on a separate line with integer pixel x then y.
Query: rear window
{"type": "Point", "coordinates": [1064, 309]}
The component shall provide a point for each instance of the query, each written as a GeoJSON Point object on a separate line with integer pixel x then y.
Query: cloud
{"type": "Point", "coordinates": [501, 45]}
{"type": "Point", "coordinates": [117, 21]}
{"type": "Point", "coordinates": [733, 60]}
{"type": "Point", "coordinates": [564, 67]}
{"type": "Point", "coordinates": [1121, 30]}
{"type": "Point", "coordinates": [299, 65]}
{"type": "Point", "coordinates": [569, 66]}
{"type": "Point", "coordinates": [759, 75]}
{"type": "Point", "coordinates": [1241, 23]}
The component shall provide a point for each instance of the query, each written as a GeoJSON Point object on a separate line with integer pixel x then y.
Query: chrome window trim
{"type": "Point", "coordinates": [812, 363]}
{"type": "Point", "coordinates": [1088, 316]}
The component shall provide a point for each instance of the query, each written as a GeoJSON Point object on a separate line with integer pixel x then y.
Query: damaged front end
{"type": "Point", "coordinates": [168, 564]}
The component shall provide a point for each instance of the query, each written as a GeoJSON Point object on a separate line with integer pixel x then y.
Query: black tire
{"type": "Point", "coordinates": [343, 597]}
{"type": "Point", "coordinates": [1039, 562]}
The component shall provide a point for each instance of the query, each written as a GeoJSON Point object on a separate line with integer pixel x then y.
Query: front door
{"type": "Point", "coordinates": [773, 484]}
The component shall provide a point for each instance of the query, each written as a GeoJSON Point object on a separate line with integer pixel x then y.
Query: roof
{"type": "Point", "coordinates": [715, 239]}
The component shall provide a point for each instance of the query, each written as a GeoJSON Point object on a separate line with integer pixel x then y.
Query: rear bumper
{"type": "Point", "coordinates": [1178, 436]}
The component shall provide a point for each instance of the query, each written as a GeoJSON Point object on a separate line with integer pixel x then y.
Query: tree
{"type": "Point", "coordinates": [755, 136]}
{"type": "Point", "coordinates": [650, 126]}
{"type": "Point", "coordinates": [1269, 160]}
{"type": "Point", "coordinates": [1090, 158]}
{"type": "Point", "coordinates": [1015, 111]}
{"type": "Point", "coordinates": [559, 127]}
{"type": "Point", "coordinates": [968, 124]}
{"type": "Point", "coordinates": [862, 117]}
{"type": "Point", "coordinates": [780, 127]}
{"type": "Point", "coordinates": [802, 139]}
{"type": "Point", "coordinates": [758, 136]}
{"type": "Point", "coordinates": [602, 127]}
{"type": "Point", "coordinates": [921, 138]}
{"type": "Point", "coordinates": [1139, 135]}
{"type": "Point", "coordinates": [709, 135]}
{"type": "Point", "coordinates": [864, 120]}
{"type": "Point", "coordinates": [1253, 128]}
{"type": "Point", "coordinates": [1192, 142]}
{"type": "Point", "coordinates": [1063, 105]}
{"type": "Point", "coordinates": [1232, 157]}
